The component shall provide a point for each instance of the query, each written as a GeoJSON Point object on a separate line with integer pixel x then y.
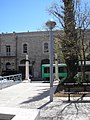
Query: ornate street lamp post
{"type": "Point", "coordinates": [51, 24]}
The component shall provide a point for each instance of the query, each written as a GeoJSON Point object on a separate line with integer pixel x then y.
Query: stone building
{"type": "Point", "coordinates": [15, 46]}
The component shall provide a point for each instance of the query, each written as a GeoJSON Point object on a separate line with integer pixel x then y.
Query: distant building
{"type": "Point", "coordinates": [15, 46]}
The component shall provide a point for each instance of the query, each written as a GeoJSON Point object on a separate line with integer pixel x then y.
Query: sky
{"type": "Point", "coordinates": [24, 15]}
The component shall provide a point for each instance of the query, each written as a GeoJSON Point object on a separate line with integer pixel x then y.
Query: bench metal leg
{"type": "Point", "coordinates": [68, 94]}
{"type": "Point", "coordinates": [83, 96]}
{"type": "Point", "coordinates": [68, 97]}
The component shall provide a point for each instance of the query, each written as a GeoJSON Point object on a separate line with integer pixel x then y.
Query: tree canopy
{"type": "Point", "coordinates": [72, 20]}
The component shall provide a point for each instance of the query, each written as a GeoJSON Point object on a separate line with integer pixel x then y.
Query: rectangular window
{"type": "Point", "coordinates": [24, 48]}
{"type": "Point", "coordinates": [46, 70]}
{"type": "Point", "coordinates": [8, 50]}
{"type": "Point", "coordinates": [46, 49]}
{"type": "Point", "coordinates": [62, 69]}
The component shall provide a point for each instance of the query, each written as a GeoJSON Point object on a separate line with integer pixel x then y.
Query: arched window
{"type": "Point", "coordinates": [45, 61]}
{"type": "Point", "coordinates": [24, 48]}
{"type": "Point", "coordinates": [46, 48]}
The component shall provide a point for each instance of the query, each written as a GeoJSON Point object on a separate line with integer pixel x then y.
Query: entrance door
{"type": "Point", "coordinates": [22, 71]}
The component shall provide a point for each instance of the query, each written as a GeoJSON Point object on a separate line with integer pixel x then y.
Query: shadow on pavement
{"type": "Point", "coordinates": [44, 105]}
{"type": "Point", "coordinates": [38, 97]}
{"type": "Point", "coordinates": [74, 109]}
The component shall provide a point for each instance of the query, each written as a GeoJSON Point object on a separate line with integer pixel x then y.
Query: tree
{"type": "Point", "coordinates": [83, 22]}
{"type": "Point", "coordinates": [57, 46]}
{"type": "Point", "coordinates": [74, 23]}
{"type": "Point", "coordinates": [69, 41]}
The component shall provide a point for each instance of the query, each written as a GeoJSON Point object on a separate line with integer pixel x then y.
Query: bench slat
{"type": "Point", "coordinates": [76, 92]}
{"type": "Point", "coordinates": [70, 85]}
{"type": "Point", "coordinates": [76, 84]}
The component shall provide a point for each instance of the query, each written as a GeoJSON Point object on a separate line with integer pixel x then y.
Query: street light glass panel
{"type": "Point", "coordinates": [50, 24]}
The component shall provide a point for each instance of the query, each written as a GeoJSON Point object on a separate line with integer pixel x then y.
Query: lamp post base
{"type": "Point", "coordinates": [28, 80]}
{"type": "Point", "coordinates": [51, 94]}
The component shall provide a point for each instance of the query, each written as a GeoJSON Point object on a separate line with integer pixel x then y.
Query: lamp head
{"type": "Point", "coordinates": [50, 24]}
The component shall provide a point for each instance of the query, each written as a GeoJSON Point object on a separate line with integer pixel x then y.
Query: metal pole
{"type": "Point", "coordinates": [51, 65]}
{"type": "Point", "coordinates": [51, 24]}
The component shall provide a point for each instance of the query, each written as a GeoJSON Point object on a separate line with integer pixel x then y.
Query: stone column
{"type": "Point", "coordinates": [56, 67]}
{"type": "Point", "coordinates": [27, 69]}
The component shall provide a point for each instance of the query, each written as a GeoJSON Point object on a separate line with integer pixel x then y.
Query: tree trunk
{"type": "Point", "coordinates": [70, 45]}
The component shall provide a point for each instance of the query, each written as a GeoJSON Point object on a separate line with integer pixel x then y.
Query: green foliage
{"type": "Point", "coordinates": [72, 42]}
{"type": "Point", "coordinates": [67, 80]}
{"type": "Point", "coordinates": [76, 79]}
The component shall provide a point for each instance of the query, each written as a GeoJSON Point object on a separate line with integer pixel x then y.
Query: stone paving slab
{"type": "Point", "coordinates": [36, 96]}
{"type": "Point", "coordinates": [7, 113]}
{"type": "Point", "coordinates": [25, 95]}
{"type": "Point", "coordinates": [61, 109]}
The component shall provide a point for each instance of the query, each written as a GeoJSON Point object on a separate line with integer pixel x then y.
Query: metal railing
{"type": "Point", "coordinates": [7, 81]}
{"type": "Point", "coordinates": [16, 77]}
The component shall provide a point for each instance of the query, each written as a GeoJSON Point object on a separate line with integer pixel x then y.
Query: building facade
{"type": "Point", "coordinates": [15, 46]}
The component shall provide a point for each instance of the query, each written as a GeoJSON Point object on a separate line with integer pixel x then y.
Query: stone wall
{"type": "Point", "coordinates": [34, 41]}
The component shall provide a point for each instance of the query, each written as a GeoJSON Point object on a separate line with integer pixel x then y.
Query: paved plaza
{"type": "Point", "coordinates": [60, 109]}
{"type": "Point", "coordinates": [36, 96]}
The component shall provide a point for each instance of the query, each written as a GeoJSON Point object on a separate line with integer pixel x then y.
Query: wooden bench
{"type": "Point", "coordinates": [76, 85]}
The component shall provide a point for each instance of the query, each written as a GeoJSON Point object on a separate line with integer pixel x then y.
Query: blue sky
{"type": "Point", "coordinates": [24, 15]}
